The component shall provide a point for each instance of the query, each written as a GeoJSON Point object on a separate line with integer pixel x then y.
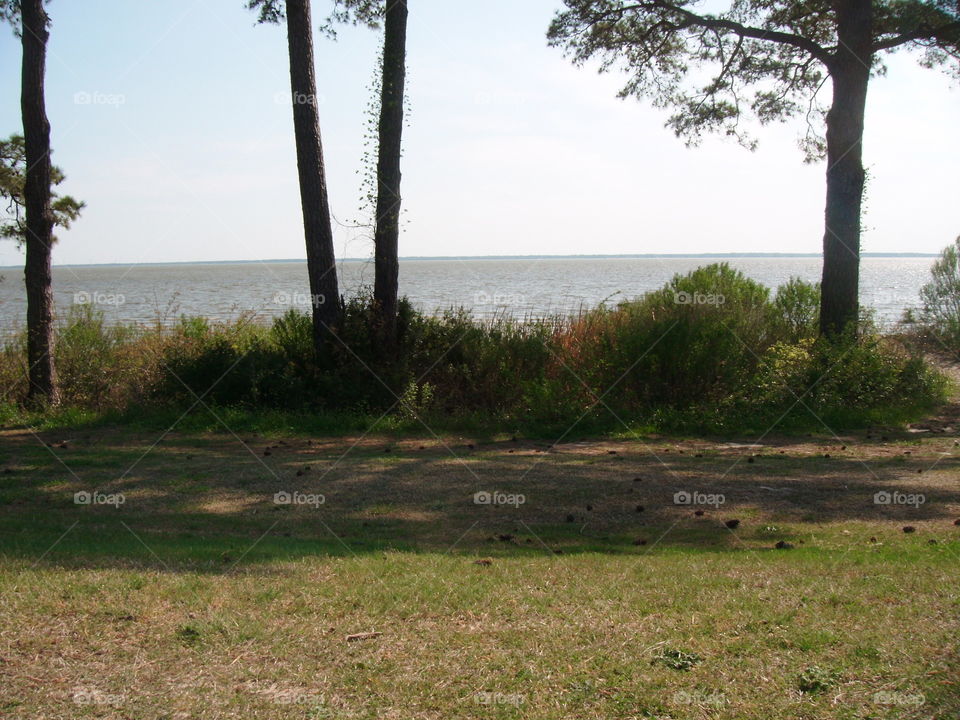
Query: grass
{"type": "Point", "coordinates": [199, 597]}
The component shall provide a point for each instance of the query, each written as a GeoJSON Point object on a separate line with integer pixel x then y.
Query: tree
{"type": "Point", "coordinates": [30, 22]}
{"type": "Point", "coordinates": [13, 173]}
{"type": "Point", "coordinates": [393, 13]}
{"type": "Point", "coordinates": [390, 134]}
{"type": "Point", "coordinates": [314, 199]}
{"type": "Point", "coordinates": [13, 226]}
{"type": "Point", "coordinates": [770, 58]}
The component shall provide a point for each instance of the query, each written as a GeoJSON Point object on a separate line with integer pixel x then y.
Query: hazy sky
{"type": "Point", "coordinates": [172, 123]}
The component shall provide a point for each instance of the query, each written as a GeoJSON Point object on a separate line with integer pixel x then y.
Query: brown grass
{"type": "Point", "coordinates": [200, 598]}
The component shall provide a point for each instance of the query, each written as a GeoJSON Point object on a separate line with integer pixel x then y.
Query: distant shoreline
{"type": "Point", "coordinates": [448, 258]}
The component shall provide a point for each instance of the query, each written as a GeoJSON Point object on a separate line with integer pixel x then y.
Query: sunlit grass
{"type": "Point", "coordinates": [198, 596]}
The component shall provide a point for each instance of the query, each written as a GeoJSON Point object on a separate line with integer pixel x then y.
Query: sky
{"type": "Point", "coordinates": [171, 121]}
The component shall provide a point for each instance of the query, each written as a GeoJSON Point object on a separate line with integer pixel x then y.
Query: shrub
{"type": "Point", "coordinates": [797, 309]}
{"type": "Point", "coordinates": [222, 364]}
{"type": "Point", "coordinates": [99, 366]}
{"type": "Point", "coordinates": [941, 297]}
{"type": "Point", "coordinates": [13, 368]}
{"type": "Point", "coordinates": [478, 365]}
{"type": "Point", "coordinates": [690, 340]}
{"type": "Point", "coordinates": [293, 335]}
{"type": "Point", "coordinates": [843, 383]}
{"type": "Point", "coordinates": [90, 358]}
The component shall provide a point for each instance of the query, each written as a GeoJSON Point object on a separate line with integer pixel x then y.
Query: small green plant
{"type": "Point", "coordinates": [194, 328]}
{"type": "Point", "coordinates": [188, 635]}
{"type": "Point", "coordinates": [815, 679]}
{"type": "Point", "coordinates": [677, 659]}
{"type": "Point", "coordinates": [416, 401]}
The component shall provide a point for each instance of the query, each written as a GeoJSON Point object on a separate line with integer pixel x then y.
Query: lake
{"type": "Point", "coordinates": [148, 294]}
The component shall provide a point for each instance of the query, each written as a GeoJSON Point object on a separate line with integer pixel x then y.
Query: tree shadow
{"type": "Point", "coordinates": [219, 504]}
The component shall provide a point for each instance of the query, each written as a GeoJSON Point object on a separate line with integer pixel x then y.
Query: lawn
{"type": "Point", "coordinates": [387, 588]}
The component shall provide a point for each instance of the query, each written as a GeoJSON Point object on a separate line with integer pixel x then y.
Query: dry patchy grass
{"type": "Point", "coordinates": [199, 597]}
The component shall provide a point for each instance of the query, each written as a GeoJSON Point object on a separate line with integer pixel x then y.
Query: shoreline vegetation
{"type": "Point", "coordinates": [711, 352]}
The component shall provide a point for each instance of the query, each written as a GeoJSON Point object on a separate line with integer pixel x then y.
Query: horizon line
{"type": "Point", "coordinates": [428, 258]}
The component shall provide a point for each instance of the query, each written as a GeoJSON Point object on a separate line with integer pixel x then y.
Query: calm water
{"type": "Point", "coordinates": [531, 287]}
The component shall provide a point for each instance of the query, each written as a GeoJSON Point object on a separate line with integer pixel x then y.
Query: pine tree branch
{"type": "Point", "coordinates": [945, 33]}
{"type": "Point", "coordinates": [692, 19]}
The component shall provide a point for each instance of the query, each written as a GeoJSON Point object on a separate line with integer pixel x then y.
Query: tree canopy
{"type": "Point", "coordinates": [764, 58]}
{"type": "Point", "coordinates": [353, 12]}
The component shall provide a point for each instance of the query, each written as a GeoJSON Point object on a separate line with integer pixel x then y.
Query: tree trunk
{"type": "Point", "coordinates": [321, 262]}
{"type": "Point", "coordinates": [387, 233]}
{"type": "Point", "coordinates": [850, 72]}
{"type": "Point", "coordinates": [39, 216]}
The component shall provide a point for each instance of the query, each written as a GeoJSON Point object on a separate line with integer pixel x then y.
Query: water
{"type": "Point", "coordinates": [148, 294]}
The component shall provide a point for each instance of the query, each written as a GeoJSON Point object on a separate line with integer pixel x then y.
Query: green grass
{"type": "Point", "coordinates": [199, 597]}
{"type": "Point", "coordinates": [487, 427]}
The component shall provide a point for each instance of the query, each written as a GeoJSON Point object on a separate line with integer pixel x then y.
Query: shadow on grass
{"type": "Point", "coordinates": [207, 502]}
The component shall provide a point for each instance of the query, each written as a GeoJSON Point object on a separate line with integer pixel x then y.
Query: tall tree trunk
{"type": "Point", "coordinates": [39, 221]}
{"type": "Point", "coordinates": [850, 72]}
{"type": "Point", "coordinates": [390, 130]}
{"type": "Point", "coordinates": [321, 263]}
